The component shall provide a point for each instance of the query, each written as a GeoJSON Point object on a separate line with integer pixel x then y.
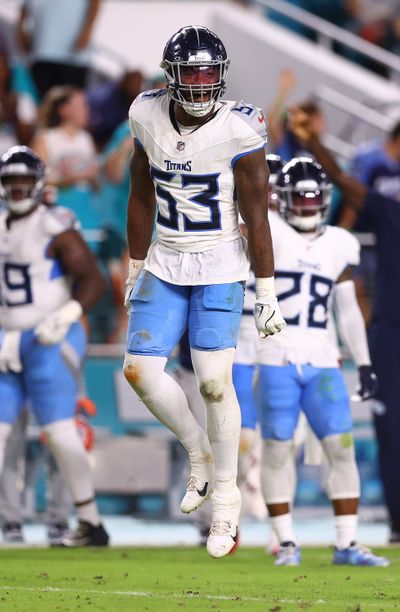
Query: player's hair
{"type": "Point", "coordinates": [55, 98]}
{"type": "Point", "coordinates": [310, 107]}
{"type": "Point", "coordinates": [395, 131]}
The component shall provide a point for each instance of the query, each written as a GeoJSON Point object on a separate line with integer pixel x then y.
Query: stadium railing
{"type": "Point", "coordinates": [328, 33]}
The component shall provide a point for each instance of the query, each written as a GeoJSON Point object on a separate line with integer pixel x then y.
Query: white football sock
{"type": "Point", "coordinates": [214, 375]}
{"type": "Point", "coordinates": [247, 439]}
{"type": "Point", "coordinates": [283, 527]}
{"type": "Point", "coordinates": [278, 472]}
{"type": "Point", "coordinates": [5, 430]}
{"type": "Point", "coordinates": [165, 399]}
{"type": "Point", "coordinates": [73, 461]}
{"type": "Point", "coordinates": [346, 528]}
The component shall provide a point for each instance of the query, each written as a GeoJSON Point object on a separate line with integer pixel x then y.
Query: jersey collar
{"type": "Point", "coordinates": [195, 128]}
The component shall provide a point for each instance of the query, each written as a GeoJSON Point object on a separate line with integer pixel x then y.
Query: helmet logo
{"type": "Point", "coordinates": [200, 56]}
{"type": "Point", "coordinates": [180, 145]}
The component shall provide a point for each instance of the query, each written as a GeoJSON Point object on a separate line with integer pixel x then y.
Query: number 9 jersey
{"type": "Point", "coordinates": [193, 173]}
{"type": "Point", "coordinates": [306, 270]}
{"type": "Point", "coordinates": [32, 284]}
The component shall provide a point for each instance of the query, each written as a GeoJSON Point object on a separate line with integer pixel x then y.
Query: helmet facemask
{"type": "Point", "coordinates": [306, 206]}
{"type": "Point", "coordinates": [197, 84]}
{"type": "Point", "coordinates": [21, 192]}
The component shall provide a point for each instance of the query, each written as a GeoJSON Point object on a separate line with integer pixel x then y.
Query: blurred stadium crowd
{"type": "Point", "coordinates": [375, 22]}
{"type": "Point", "coordinates": [77, 123]}
{"type": "Point", "coordinates": [78, 126]}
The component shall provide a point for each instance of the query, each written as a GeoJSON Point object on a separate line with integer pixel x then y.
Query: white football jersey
{"type": "Point", "coordinates": [194, 183]}
{"type": "Point", "coordinates": [32, 284]}
{"type": "Point", "coordinates": [306, 270]}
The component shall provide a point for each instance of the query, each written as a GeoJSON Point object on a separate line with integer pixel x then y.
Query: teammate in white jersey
{"type": "Point", "coordinates": [48, 279]}
{"type": "Point", "coordinates": [244, 380]}
{"type": "Point", "coordinates": [192, 152]}
{"type": "Point", "coordinates": [299, 370]}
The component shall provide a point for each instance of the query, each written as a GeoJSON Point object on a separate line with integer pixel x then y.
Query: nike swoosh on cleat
{"type": "Point", "coordinates": [235, 539]}
{"type": "Point", "coordinates": [203, 492]}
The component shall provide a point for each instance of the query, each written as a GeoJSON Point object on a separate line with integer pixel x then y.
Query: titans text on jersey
{"type": "Point", "coordinates": [204, 212]}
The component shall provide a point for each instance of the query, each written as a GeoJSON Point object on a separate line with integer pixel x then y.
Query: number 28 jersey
{"type": "Point", "coordinates": [306, 271]}
{"type": "Point", "coordinates": [192, 171]}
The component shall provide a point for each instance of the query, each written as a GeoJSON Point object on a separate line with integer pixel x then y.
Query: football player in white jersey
{"type": "Point", "coordinates": [244, 379]}
{"type": "Point", "coordinates": [48, 279]}
{"type": "Point", "coordinates": [299, 369]}
{"type": "Point", "coordinates": [193, 152]}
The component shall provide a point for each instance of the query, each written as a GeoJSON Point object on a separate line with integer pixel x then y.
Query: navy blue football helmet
{"type": "Point", "coordinates": [275, 164]}
{"type": "Point", "coordinates": [195, 64]}
{"type": "Point", "coordinates": [21, 179]}
{"type": "Point", "coordinates": [304, 192]}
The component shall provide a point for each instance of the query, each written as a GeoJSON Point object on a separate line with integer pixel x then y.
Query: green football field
{"type": "Point", "coordinates": [186, 578]}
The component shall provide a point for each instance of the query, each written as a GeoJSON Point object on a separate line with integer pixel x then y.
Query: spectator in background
{"type": "Point", "coordinates": [377, 164]}
{"type": "Point", "coordinates": [68, 150]}
{"type": "Point", "coordinates": [113, 210]}
{"type": "Point", "coordinates": [282, 141]}
{"type": "Point", "coordinates": [57, 33]}
{"type": "Point", "coordinates": [109, 104]}
{"type": "Point", "coordinates": [338, 12]}
{"type": "Point", "coordinates": [17, 112]}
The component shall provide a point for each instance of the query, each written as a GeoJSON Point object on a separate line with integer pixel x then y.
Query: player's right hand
{"type": "Point", "coordinates": [135, 268]}
{"type": "Point", "coordinates": [300, 124]}
{"type": "Point", "coordinates": [10, 360]}
{"type": "Point", "coordinates": [268, 317]}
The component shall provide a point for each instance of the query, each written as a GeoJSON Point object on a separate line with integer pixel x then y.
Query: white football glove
{"type": "Point", "coordinates": [267, 314]}
{"type": "Point", "coordinates": [135, 268]}
{"type": "Point", "coordinates": [55, 326]}
{"type": "Point", "coordinates": [9, 351]}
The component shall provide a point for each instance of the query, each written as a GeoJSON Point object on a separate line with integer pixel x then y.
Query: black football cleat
{"type": "Point", "coordinates": [86, 534]}
{"type": "Point", "coordinates": [12, 533]}
{"type": "Point", "coordinates": [56, 532]}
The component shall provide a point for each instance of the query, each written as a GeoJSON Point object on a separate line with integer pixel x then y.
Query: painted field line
{"type": "Point", "coordinates": [175, 596]}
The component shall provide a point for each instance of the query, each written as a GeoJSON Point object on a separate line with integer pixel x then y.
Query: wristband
{"type": "Point", "coordinates": [135, 267]}
{"type": "Point", "coordinates": [265, 287]}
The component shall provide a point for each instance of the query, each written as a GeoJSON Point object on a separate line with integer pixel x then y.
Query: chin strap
{"type": "Point", "coordinates": [306, 223]}
{"type": "Point", "coordinates": [21, 207]}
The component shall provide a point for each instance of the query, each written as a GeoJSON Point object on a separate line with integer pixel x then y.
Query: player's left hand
{"type": "Point", "coordinates": [10, 360]}
{"type": "Point", "coordinates": [368, 384]}
{"type": "Point", "coordinates": [268, 317]}
{"type": "Point", "coordinates": [55, 326]}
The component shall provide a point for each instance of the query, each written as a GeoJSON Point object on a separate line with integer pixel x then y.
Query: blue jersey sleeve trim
{"type": "Point", "coordinates": [137, 142]}
{"type": "Point", "coordinates": [56, 269]}
{"type": "Point", "coordinates": [235, 159]}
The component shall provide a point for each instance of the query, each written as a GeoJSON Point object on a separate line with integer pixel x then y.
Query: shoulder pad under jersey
{"type": "Point", "coordinates": [147, 96]}
{"type": "Point", "coordinates": [252, 115]}
{"type": "Point", "coordinates": [58, 219]}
